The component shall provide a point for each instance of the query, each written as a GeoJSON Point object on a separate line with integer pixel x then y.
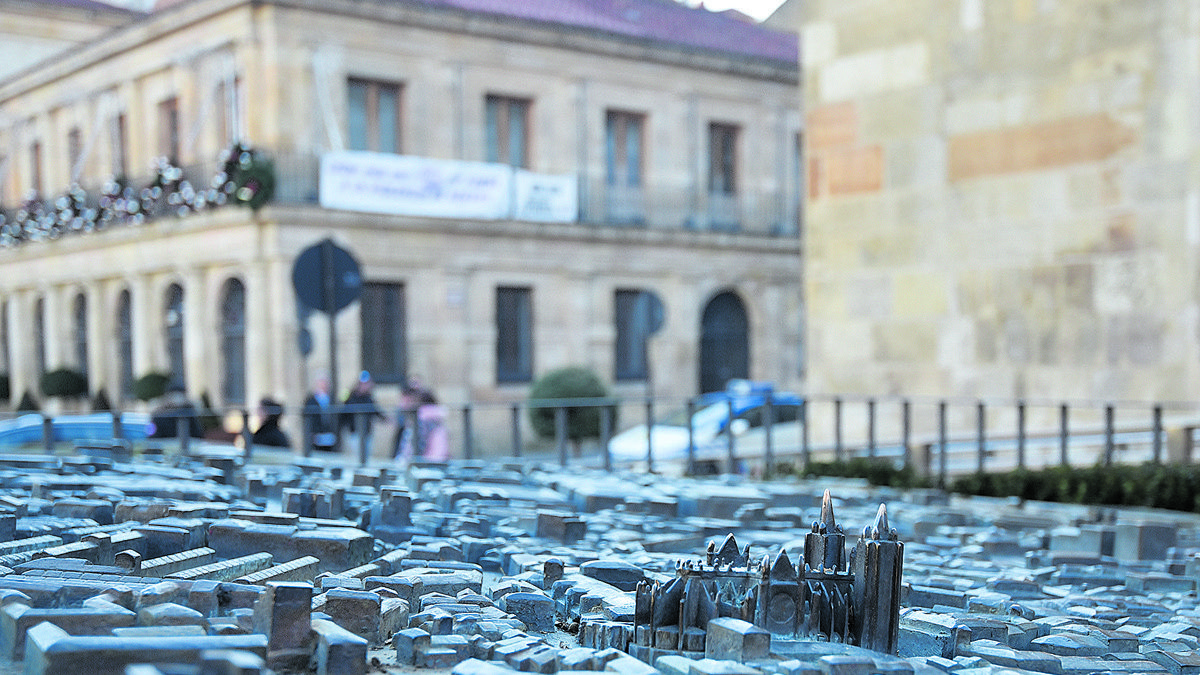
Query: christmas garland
{"type": "Point", "coordinates": [246, 178]}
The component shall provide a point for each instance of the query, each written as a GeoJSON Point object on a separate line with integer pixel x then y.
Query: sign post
{"type": "Point", "coordinates": [328, 279]}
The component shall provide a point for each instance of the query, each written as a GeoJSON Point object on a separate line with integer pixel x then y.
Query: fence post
{"type": "Point", "coordinates": [307, 420]}
{"type": "Point", "coordinates": [183, 428]}
{"type": "Point", "coordinates": [468, 434]}
{"type": "Point", "coordinates": [906, 431]}
{"type": "Point", "coordinates": [768, 439]}
{"type": "Point", "coordinates": [649, 435]}
{"type": "Point", "coordinates": [47, 433]}
{"type": "Point", "coordinates": [942, 443]}
{"type": "Point", "coordinates": [1158, 432]}
{"type": "Point", "coordinates": [1109, 444]}
{"type": "Point", "coordinates": [516, 429]}
{"type": "Point", "coordinates": [981, 433]}
{"type": "Point", "coordinates": [871, 428]}
{"type": "Point", "coordinates": [837, 428]}
{"type": "Point", "coordinates": [118, 432]}
{"type": "Point", "coordinates": [804, 449]}
{"type": "Point", "coordinates": [691, 446]}
{"type": "Point", "coordinates": [247, 438]}
{"type": "Point", "coordinates": [1021, 434]}
{"type": "Point", "coordinates": [1064, 434]}
{"type": "Point", "coordinates": [360, 425]}
{"type": "Point", "coordinates": [729, 437]}
{"type": "Point", "coordinates": [560, 434]}
{"type": "Point", "coordinates": [606, 427]}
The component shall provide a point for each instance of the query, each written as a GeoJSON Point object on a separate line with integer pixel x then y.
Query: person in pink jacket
{"type": "Point", "coordinates": [433, 439]}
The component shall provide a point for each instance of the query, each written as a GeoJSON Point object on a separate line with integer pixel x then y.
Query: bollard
{"type": "Point", "coordinates": [942, 443]}
{"type": "Point", "coordinates": [516, 430]}
{"type": "Point", "coordinates": [118, 432]}
{"type": "Point", "coordinates": [1064, 434]}
{"type": "Point", "coordinates": [691, 446]}
{"type": "Point", "coordinates": [981, 434]}
{"type": "Point", "coordinates": [906, 431]}
{"type": "Point", "coordinates": [871, 428]}
{"type": "Point", "coordinates": [649, 435]}
{"type": "Point", "coordinates": [606, 427]}
{"type": "Point", "coordinates": [468, 433]}
{"type": "Point", "coordinates": [1021, 434]}
{"type": "Point", "coordinates": [560, 434]}
{"type": "Point", "coordinates": [48, 433]}
{"type": "Point", "coordinates": [1109, 442]}
{"type": "Point", "coordinates": [1158, 433]}
{"type": "Point", "coordinates": [247, 438]}
{"type": "Point", "coordinates": [837, 428]}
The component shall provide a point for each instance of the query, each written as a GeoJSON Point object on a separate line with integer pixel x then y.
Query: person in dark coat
{"type": "Point", "coordinates": [175, 410]}
{"type": "Point", "coordinates": [319, 418]}
{"type": "Point", "coordinates": [360, 407]}
{"type": "Point", "coordinates": [268, 432]}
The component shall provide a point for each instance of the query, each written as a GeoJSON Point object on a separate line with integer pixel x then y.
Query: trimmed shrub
{"type": "Point", "coordinates": [1164, 486]}
{"type": "Point", "coordinates": [64, 382]}
{"type": "Point", "coordinates": [876, 471]}
{"type": "Point", "coordinates": [568, 383]}
{"type": "Point", "coordinates": [28, 403]}
{"type": "Point", "coordinates": [100, 402]}
{"type": "Point", "coordinates": [150, 386]}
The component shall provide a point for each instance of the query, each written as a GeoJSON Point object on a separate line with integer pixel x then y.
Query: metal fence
{"type": "Point", "coordinates": [936, 437]}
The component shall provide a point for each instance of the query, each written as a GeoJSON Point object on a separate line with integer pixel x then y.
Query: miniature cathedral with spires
{"type": "Point", "coordinates": [855, 601]}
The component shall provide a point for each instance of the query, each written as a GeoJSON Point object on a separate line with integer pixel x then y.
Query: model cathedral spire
{"type": "Point", "coordinates": [856, 601]}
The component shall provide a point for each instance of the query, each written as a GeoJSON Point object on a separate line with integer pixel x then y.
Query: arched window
{"type": "Point", "coordinates": [233, 342]}
{"type": "Point", "coordinates": [39, 336]}
{"type": "Point", "coordinates": [173, 328]}
{"type": "Point", "coordinates": [125, 344]}
{"type": "Point", "coordinates": [724, 342]}
{"type": "Point", "coordinates": [79, 332]}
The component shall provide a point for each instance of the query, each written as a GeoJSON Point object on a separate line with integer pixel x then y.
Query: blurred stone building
{"type": "Point", "coordinates": [1003, 198]}
{"type": "Point", "coordinates": [631, 198]}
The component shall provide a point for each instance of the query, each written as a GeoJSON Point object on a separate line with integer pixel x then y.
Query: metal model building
{"type": "Point", "coordinates": [851, 599]}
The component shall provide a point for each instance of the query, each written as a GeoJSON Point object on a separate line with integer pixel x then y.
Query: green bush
{"type": "Point", "coordinates": [100, 402]}
{"type": "Point", "coordinates": [28, 403]}
{"type": "Point", "coordinates": [150, 386]}
{"type": "Point", "coordinates": [571, 382]}
{"type": "Point", "coordinates": [1164, 486]}
{"type": "Point", "coordinates": [64, 382]}
{"type": "Point", "coordinates": [876, 471]}
{"type": "Point", "coordinates": [5, 392]}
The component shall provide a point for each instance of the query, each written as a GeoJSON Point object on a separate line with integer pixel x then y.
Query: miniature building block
{"type": "Point", "coordinates": [339, 652]}
{"type": "Point", "coordinates": [283, 613]}
{"type": "Point", "coordinates": [733, 639]}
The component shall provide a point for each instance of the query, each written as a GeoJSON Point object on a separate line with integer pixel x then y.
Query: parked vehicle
{"type": "Point", "coordinates": [27, 429]}
{"type": "Point", "coordinates": [740, 411]}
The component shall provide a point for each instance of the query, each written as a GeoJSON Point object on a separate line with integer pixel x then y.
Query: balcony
{"type": "Point", "coordinates": [177, 191]}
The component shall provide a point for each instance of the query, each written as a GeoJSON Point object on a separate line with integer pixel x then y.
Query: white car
{"type": "Point", "coordinates": [711, 426]}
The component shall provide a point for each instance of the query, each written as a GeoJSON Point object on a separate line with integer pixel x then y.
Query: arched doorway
{"type": "Point", "coordinates": [173, 332]}
{"type": "Point", "coordinates": [233, 342]}
{"type": "Point", "coordinates": [724, 342]}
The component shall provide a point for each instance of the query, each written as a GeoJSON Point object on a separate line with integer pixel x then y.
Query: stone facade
{"type": "Point", "coordinates": [276, 76]}
{"type": "Point", "coordinates": [1003, 198]}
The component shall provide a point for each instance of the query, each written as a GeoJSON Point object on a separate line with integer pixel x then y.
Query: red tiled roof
{"type": "Point", "coordinates": [658, 20]}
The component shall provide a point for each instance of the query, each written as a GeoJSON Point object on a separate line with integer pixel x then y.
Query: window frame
{"type": "Point", "coordinates": [509, 114]}
{"type": "Point", "coordinates": [723, 140]}
{"type": "Point", "coordinates": [373, 124]}
{"type": "Point", "coordinates": [514, 334]}
{"type": "Point", "coordinates": [383, 312]}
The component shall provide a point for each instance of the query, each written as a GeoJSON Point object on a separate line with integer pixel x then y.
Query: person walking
{"type": "Point", "coordinates": [359, 413]}
{"type": "Point", "coordinates": [320, 422]}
